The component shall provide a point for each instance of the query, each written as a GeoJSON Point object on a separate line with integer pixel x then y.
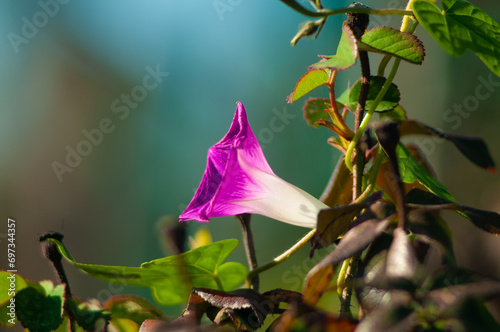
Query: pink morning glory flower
{"type": "Point", "coordinates": [238, 180]}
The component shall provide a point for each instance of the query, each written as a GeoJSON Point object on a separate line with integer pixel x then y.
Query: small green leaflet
{"type": "Point", "coordinates": [461, 26]}
{"type": "Point", "coordinates": [310, 81]}
{"type": "Point", "coordinates": [171, 278]}
{"type": "Point", "coordinates": [315, 109]}
{"type": "Point", "coordinates": [6, 294]}
{"type": "Point", "coordinates": [394, 42]}
{"type": "Point", "coordinates": [40, 309]}
{"type": "Point", "coordinates": [347, 53]}
{"type": "Point", "coordinates": [391, 98]}
{"type": "Point", "coordinates": [411, 170]}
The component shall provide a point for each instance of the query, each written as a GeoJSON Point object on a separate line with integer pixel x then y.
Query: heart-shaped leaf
{"type": "Point", "coordinates": [172, 278]}
{"type": "Point", "coordinates": [387, 40]}
{"type": "Point", "coordinates": [347, 53]}
{"type": "Point", "coordinates": [461, 26]}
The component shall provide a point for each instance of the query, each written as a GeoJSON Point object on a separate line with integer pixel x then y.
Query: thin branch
{"type": "Point", "coordinates": [249, 247]}
{"type": "Point", "coordinates": [369, 114]}
{"type": "Point", "coordinates": [283, 257]}
{"type": "Point", "coordinates": [329, 12]}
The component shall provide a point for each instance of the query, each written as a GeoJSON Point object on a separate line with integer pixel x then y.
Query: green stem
{"type": "Point", "coordinates": [345, 304]}
{"type": "Point", "coordinates": [328, 12]}
{"type": "Point", "coordinates": [283, 257]}
{"type": "Point", "coordinates": [373, 178]}
{"type": "Point", "coordinates": [369, 114]}
{"type": "Point", "coordinates": [405, 24]}
{"type": "Point", "coordinates": [342, 276]}
{"type": "Point", "coordinates": [383, 64]}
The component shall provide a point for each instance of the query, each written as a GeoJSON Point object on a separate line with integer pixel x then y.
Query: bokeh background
{"type": "Point", "coordinates": [67, 76]}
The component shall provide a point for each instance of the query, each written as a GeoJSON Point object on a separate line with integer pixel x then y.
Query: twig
{"type": "Point", "coordinates": [249, 247]}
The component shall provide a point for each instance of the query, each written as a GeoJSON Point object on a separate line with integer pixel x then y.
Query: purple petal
{"type": "Point", "coordinates": [238, 180]}
{"type": "Point", "coordinates": [239, 137]}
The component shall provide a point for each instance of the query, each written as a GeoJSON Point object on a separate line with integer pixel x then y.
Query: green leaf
{"type": "Point", "coordinates": [398, 114]}
{"type": "Point", "coordinates": [40, 310]}
{"type": "Point", "coordinates": [389, 102]}
{"type": "Point", "coordinates": [486, 220]}
{"type": "Point", "coordinates": [412, 171]}
{"type": "Point", "coordinates": [310, 81]}
{"type": "Point", "coordinates": [473, 148]}
{"type": "Point", "coordinates": [10, 284]}
{"type": "Point", "coordinates": [347, 53]}
{"type": "Point", "coordinates": [394, 42]}
{"type": "Point", "coordinates": [315, 109]}
{"type": "Point", "coordinates": [87, 314]}
{"type": "Point", "coordinates": [172, 278]}
{"type": "Point", "coordinates": [131, 307]}
{"type": "Point", "coordinates": [461, 26]}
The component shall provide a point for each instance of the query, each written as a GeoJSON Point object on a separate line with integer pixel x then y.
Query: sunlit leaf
{"type": "Point", "coordinates": [461, 26]}
{"type": "Point", "coordinates": [474, 148]}
{"type": "Point", "coordinates": [347, 53]}
{"type": "Point", "coordinates": [171, 278]}
{"type": "Point", "coordinates": [389, 102]}
{"type": "Point", "coordinates": [411, 170]}
{"type": "Point", "coordinates": [10, 284]}
{"type": "Point", "coordinates": [387, 40]}
{"type": "Point", "coordinates": [310, 81]}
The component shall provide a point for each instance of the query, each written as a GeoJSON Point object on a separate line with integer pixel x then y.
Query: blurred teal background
{"type": "Point", "coordinates": [72, 73]}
